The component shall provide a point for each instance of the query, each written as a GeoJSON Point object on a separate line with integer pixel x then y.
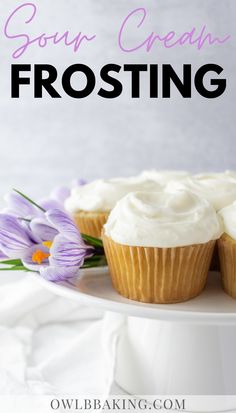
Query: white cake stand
{"type": "Point", "coordinates": [187, 348]}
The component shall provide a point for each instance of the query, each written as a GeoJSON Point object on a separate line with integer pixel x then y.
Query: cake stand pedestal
{"type": "Point", "coordinates": [174, 358]}
{"type": "Point", "coordinates": [187, 348]}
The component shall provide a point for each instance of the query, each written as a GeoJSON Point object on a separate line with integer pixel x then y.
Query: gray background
{"type": "Point", "coordinates": [49, 142]}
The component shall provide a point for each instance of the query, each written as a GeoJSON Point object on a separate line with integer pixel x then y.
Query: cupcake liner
{"type": "Point", "coordinates": [227, 254]}
{"type": "Point", "coordinates": [158, 275]}
{"type": "Point", "coordinates": [91, 223]}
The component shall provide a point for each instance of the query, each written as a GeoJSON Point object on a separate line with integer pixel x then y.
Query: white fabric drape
{"type": "Point", "coordinates": [51, 345]}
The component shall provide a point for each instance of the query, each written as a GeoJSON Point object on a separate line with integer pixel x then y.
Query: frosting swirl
{"type": "Point", "coordinates": [228, 215]}
{"type": "Point", "coordinates": [102, 195]}
{"type": "Point", "coordinates": [163, 177]}
{"type": "Point", "coordinates": [218, 189]}
{"type": "Point", "coordinates": [163, 220]}
{"type": "Point", "coordinates": [228, 175]}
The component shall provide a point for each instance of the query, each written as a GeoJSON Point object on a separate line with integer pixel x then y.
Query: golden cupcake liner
{"type": "Point", "coordinates": [91, 223]}
{"type": "Point", "coordinates": [158, 275]}
{"type": "Point", "coordinates": [227, 254]}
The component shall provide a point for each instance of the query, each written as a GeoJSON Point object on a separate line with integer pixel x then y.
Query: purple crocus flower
{"type": "Point", "coordinates": [56, 198]}
{"type": "Point", "coordinates": [78, 182]}
{"type": "Point", "coordinates": [21, 207]}
{"type": "Point", "coordinates": [67, 252]}
{"type": "Point", "coordinates": [51, 245]}
{"type": "Point", "coordinates": [20, 237]}
{"type": "Point", "coordinates": [3, 256]}
{"type": "Point", "coordinates": [15, 238]}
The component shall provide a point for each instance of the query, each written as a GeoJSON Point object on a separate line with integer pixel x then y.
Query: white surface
{"type": "Point", "coordinates": [94, 287]}
{"type": "Point", "coordinates": [47, 343]}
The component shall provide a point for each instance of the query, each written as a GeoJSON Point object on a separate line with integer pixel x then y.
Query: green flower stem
{"type": "Point", "coordinates": [95, 242]}
{"type": "Point", "coordinates": [11, 262]}
{"type": "Point", "coordinates": [95, 261]}
{"type": "Point", "coordinates": [29, 200]}
{"type": "Point", "coordinates": [16, 268]}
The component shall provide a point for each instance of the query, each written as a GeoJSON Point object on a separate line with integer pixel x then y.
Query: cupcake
{"type": "Point", "coordinates": [227, 249]}
{"type": "Point", "coordinates": [163, 177]}
{"type": "Point", "coordinates": [228, 175]}
{"type": "Point", "coordinates": [91, 204]}
{"type": "Point", "coordinates": [219, 188]}
{"type": "Point", "coordinates": [159, 245]}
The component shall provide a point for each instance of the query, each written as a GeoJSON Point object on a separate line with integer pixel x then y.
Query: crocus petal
{"type": "Point", "coordinates": [78, 182]}
{"type": "Point", "coordinates": [64, 225]}
{"type": "Point", "coordinates": [41, 228]}
{"type": "Point", "coordinates": [57, 273]}
{"type": "Point", "coordinates": [67, 253]}
{"type": "Point", "coordinates": [3, 256]}
{"type": "Point", "coordinates": [14, 238]}
{"type": "Point", "coordinates": [27, 260]}
{"type": "Point", "coordinates": [50, 204]}
{"type": "Point", "coordinates": [19, 206]}
{"type": "Point", "coordinates": [60, 194]}
{"type": "Point", "coordinates": [33, 237]}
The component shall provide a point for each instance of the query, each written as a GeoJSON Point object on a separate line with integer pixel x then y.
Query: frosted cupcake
{"type": "Point", "coordinates": [163, 177]}
{"type": "Point", "coordinates": [91, 204]}
{"type": "Point", "coordinates": [227, 249]}
{"type": "Point", "coordinates": [228, 175]}
{"type": "Point", "coordinates": [159, 245]}
{"type": "Point", "coordinates": [218, 189]}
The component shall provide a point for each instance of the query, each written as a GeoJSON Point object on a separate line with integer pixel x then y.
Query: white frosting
{"type": "Point", "coordinates": [163, 220]}
{"type": "Point", "coordinates": [228, 175]}
{"type": "Point", "coordinates": [164, 176]}
{"type": "Point", "coordinates": [102, 195]}
{"type": "Point", "coordinates": [229, 219]}
{"type": "Point", "coordinates": [218, 189]}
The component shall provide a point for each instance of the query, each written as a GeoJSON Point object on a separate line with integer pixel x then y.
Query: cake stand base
{"type": "Point", "coordinates": [174, 358]}
{"type": "Point", "coordinates": [178, 349]}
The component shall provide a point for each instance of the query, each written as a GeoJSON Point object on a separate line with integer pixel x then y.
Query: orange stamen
{"type": "Point", "coordinates": [39, 256]}
{"type": "Point", "coordinates": [47, 244]}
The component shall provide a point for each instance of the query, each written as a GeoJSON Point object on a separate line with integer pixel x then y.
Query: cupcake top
{"type": "Point", "coordinates": [218, 189]}
{"type": "Point", "coordinates": [102, 195]}
{"type": "Point", "coordinates": [228, 215]}
{"type": "Point", "coordinates": [228, 175]}
{"type": "Point", "coordinates": [163, 220]}
{"type": "Point", "coordinates": [164, 176]}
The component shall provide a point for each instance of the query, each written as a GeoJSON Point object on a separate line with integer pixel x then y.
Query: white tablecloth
{"type": "Point", "coordinates": [51, 345]}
